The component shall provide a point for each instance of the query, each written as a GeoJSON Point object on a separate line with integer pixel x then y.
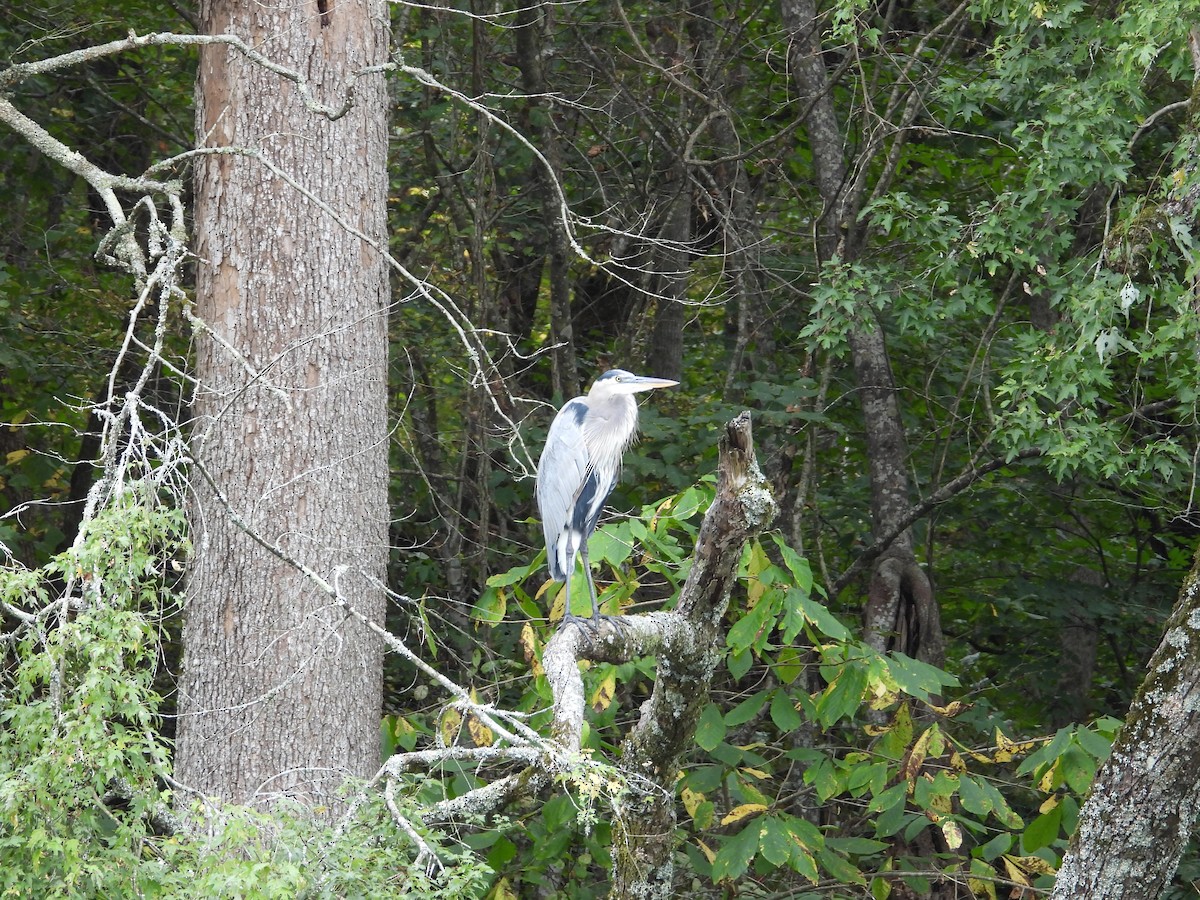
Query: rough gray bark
{"type": "Point", "coordinates": [1144, 802]}
{"type": "Point", "coordinates": [644, 831]}
{"type": "Point", "coordinates": [280, 691]}
{"type": "Point", "coordinates": [901, 611]}
{"type": "Point", "coordinates": [820, 119]}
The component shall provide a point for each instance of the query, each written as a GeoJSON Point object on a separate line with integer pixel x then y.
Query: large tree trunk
{"type": "Point", "coordinates": [901, 612]}
{"type": "Point", "coordinates": [1139, 816]}
{"type": "Point", "coordinates": [280, 693]}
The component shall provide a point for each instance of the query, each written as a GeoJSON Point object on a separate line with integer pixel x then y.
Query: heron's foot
{"type": "Point", "coordinates": [587, 625]}
{"type": "Point", "coordinates": [618, 621]}
{"type": "Point", "coordinates": [592, 624]}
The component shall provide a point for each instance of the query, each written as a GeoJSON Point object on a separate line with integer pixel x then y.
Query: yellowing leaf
{"type": "Point", "coordinates": [1034, 864]}
{"type": "Point", "coordinates": [560, 602]}
{"type": "Point", "coordinates": [1007, 749]}
{"type": "Point", "coordinates": [985, 884]}
{"type": "Point", "coordinates": [450, 725]}
{"type": "Point", "coordinates": [953, 834]}
{"type": "Point", "coordinates": [481, 735]}
{"type": "Point", "coordinates": [915, 758]}
{"type": "Point", "coordinates": [755, 773]}
{"type": "Point", "coordinates": [603, 695]}
{"type": "Point", "coordinates": [743, 812]}
{"type": "Point", "coordinates": [15, 456]}
{"type": "Point", "coordinates": [1051, 778]}
{"type": "Point", "coordinates": [756, 564]}
{"type": "Point", "coordinates": [1050, 803]}
{"type": "Point", "coordinates": [707, 851]}
{"type": "Point", "coordinates": [691, 800]}
{"type": "Point", "coordinates": [940, 803]}
{"type": "Point", "coordinates": [1014, 872]}
{"type": "Point", "coordinates": [502, 891]}
{"type": "Point", "coordinates": [529, 644]}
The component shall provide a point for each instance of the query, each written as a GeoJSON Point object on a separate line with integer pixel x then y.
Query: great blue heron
{"type": "Point", "coordinates": [580, 466]}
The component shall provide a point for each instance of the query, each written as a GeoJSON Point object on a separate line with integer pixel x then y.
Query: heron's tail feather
{"type": "Point", "coordinates": [560, 559]}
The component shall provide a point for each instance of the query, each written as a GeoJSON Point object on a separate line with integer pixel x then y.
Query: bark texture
{"type": "Point", "coordinates": [1145, 799]}
{"type": "Point", "coordinates": [644, 830]}
{"type": "Point", "coordinates": [901, 611]}
{"type": "Point", "coordinates": [280, 692]}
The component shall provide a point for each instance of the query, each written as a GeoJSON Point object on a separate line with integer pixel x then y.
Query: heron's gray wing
{"type": "Point", "coordinates": [562, 471]}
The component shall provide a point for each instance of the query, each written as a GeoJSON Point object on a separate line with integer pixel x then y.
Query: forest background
{"type": "Point", "coordinates": [944, 254]}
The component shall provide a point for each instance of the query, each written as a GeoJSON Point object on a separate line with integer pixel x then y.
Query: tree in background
{"type": "Point", "coordinates": [942, 252]}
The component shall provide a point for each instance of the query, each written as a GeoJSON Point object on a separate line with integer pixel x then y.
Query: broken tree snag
{"type": "Point", "coordinates": [1139, 815]}
{"type": "Point", "coordinates": [688, 654]}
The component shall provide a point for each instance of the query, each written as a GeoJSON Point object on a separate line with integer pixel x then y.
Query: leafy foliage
{"type": "Point", "coordinates": [1029, 251]}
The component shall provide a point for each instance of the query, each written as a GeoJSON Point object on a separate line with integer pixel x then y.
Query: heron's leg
{"type": "Point", "coordinates": [568, 615]}
{"type": "Point", "coordinates": [587, 571]}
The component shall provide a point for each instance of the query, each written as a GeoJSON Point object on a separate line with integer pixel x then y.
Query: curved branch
{"type": "Point", "coordinates": [918, 511]}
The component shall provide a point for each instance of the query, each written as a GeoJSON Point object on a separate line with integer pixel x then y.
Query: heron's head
{"type": "Point", "coordinates": [618, 381]}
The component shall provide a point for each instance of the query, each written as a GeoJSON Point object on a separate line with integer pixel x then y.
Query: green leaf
{"type": "Point", "coordinates": [843, 871]}
{"type": "Point", "coordinates": [844, 696]}
{"type": "Point", "coordinates": [1047, 753]}
{"type": "Point", "coordinates": [822, 776]}
{"type": "Point", "coordinates": [805, 833]}
{"type": "Point", "coordinates": [710, 730]}
{"type": "Point", "coordinates": [1042, 831]}
{"type": "Point", "coordinates": [611, 544]}
{"type": "Point", "coordinates": [747, 709]}
{"type": "Point", "coordinates": [1000, 808]}
{"type": "Point", "coordinates": [503, 852]}
{"type": "Point", "coordinates": [917, 679]}
{"type": "Point", "coordinates": [491, 607]}
{"type": "Point", "coordinates": [1079, 769]}
{"type": "Point", "coordinates": [796, 564]}
{"type": "Point", "coordinates": [1094, 743]}
{"type": "Point", "coordinates": [973, 798]}
{"type": "Point", "coordinates": [750, 627]}
{"type": "Point", "coordinates": [558, 812]}
{"type": "Point", "coordinates": [889, 798]}
{"type": "Point", "coordinates": [736, 853]}
{"type": "Point", "coordinates": [775, 841]}
{"type": "Point", "coordinates": [805, 864]}
{"type": "Point", "coordinates": [783, 712]}
{"type": "Point", "coordinates": [739, 663]}
{"type": "Point", "coordinates": [790, 662]}
{"type": "Point", "coordinates": [997, 846]}
{"type": "Point", "coordinates": [821, 618]}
